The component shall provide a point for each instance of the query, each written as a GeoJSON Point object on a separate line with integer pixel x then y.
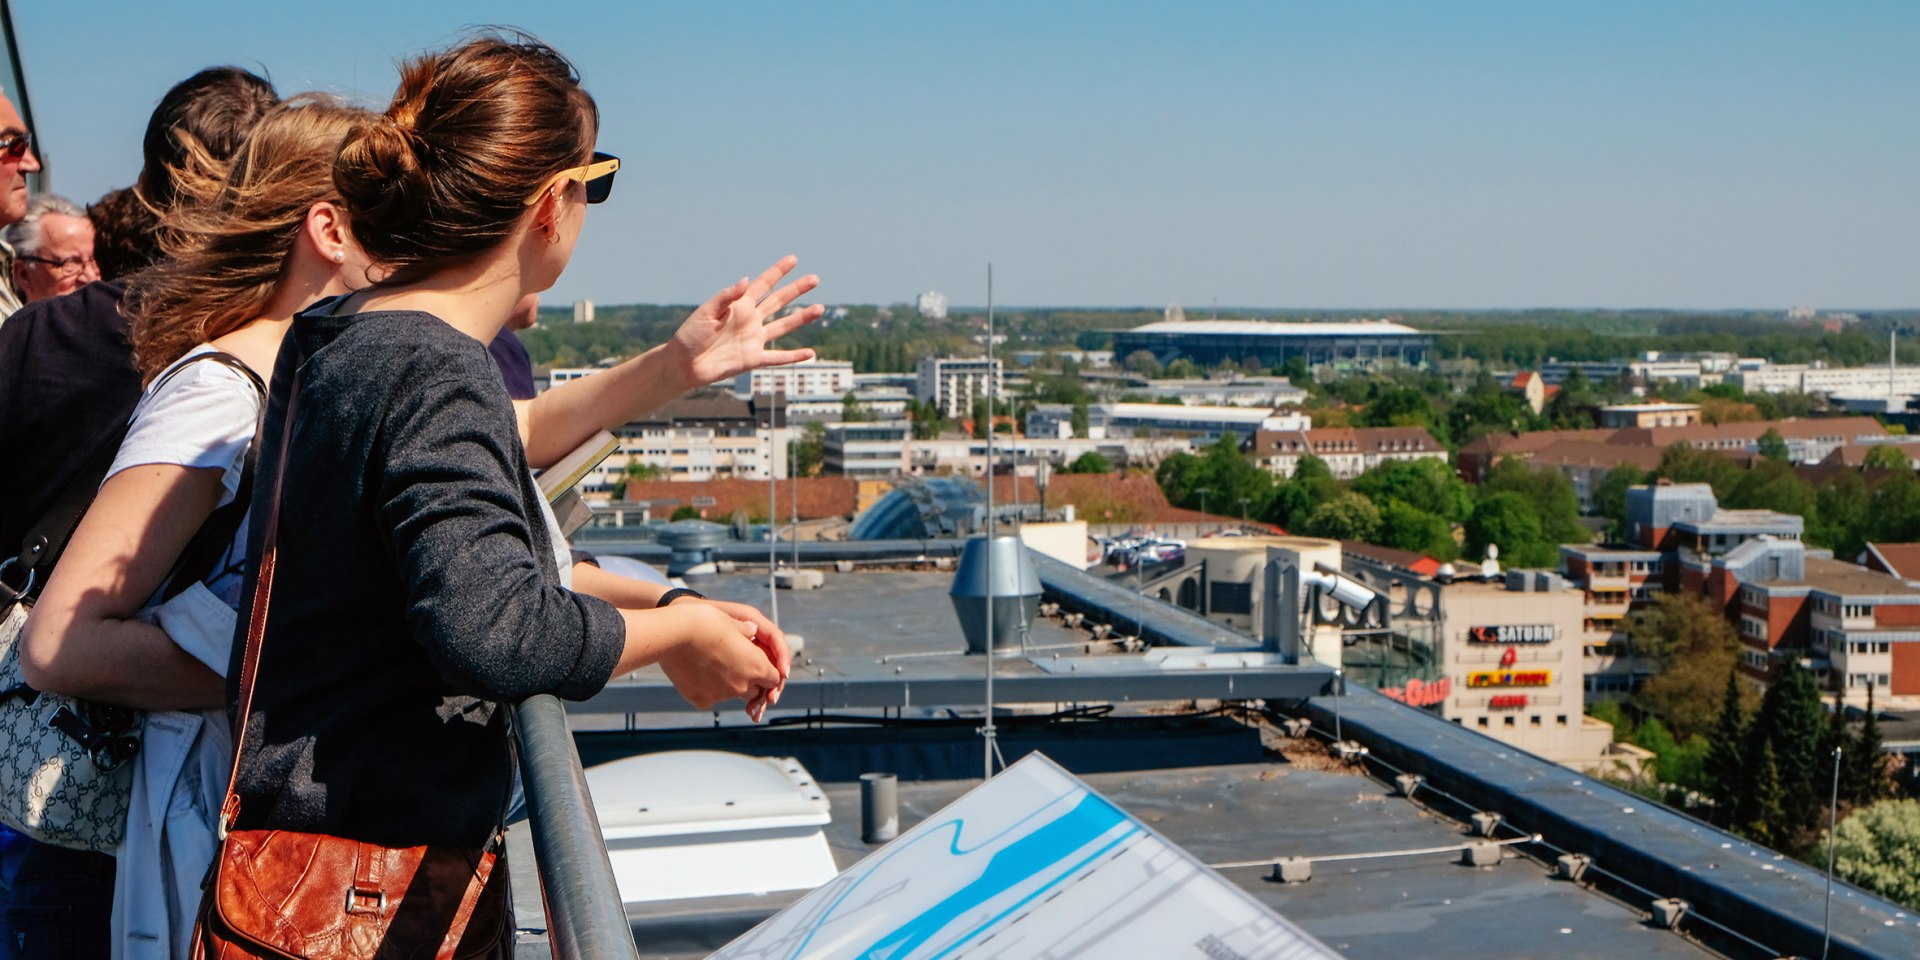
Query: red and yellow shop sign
{"type": "Point", "coordinates": [1510, 678]}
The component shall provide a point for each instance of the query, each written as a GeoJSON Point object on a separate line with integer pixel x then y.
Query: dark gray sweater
{"type": "Point", "coordinates": [416, 589]}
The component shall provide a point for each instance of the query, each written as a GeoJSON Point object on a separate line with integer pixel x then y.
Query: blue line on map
{"type": "Point", "coordinates": [1021, 860]}
{"type": "Point", "coordinates": [898, 848]}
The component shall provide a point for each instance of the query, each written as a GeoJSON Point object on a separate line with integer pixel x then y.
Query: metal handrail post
{"type": "Point", "coordinates": [585, 916]}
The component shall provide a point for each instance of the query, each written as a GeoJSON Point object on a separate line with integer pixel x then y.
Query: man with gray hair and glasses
{"type": "Point", "coordinates": [52, 249]}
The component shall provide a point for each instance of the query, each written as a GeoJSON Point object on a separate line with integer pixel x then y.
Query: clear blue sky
{"type": "Point", "coordinates": [1267, 154]}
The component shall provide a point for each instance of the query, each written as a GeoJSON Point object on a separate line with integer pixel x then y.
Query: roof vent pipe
{"type": "Point", "coordinates": [1015, 594]}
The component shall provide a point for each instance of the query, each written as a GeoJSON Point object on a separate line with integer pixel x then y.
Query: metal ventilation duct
{"type": "Point", "coordinates": [1014, 593]}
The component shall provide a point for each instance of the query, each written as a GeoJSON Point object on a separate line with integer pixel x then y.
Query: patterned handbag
{"type": "Point", "coordinates": [66, 772]}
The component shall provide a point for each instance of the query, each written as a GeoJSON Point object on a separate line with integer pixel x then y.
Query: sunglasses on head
{"type": "Point", "coordinates": [597, 175]}
{"type": "Point", "coordinates": [15, 145]}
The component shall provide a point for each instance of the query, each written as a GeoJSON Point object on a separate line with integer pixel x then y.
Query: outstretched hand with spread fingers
{"type": "Point", "coordinates": [728, 335]}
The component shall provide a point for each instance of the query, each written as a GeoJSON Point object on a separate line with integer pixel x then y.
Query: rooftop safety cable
{"type": "Point", "coordinates": [1594, 867]}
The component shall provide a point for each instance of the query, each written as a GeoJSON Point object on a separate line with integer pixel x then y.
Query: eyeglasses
{"type": "Point", "coordinates": [13, 146]}
{"type": "Point", "coordinates": [598, 176]}
{"type": "Point", "coordinates": [65, 266]}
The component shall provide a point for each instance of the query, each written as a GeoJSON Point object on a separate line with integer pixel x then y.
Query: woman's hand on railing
{"type": "Point", "coordinates": [728, 335]}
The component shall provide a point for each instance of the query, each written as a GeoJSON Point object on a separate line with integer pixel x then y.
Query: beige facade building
{"type": "Point", "coordinates": [1510, 654]}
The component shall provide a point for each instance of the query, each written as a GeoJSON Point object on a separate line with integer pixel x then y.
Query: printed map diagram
{"type": "Point", "coordinates": [1032, 864]}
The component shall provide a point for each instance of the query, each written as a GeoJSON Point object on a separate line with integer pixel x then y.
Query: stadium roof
{"type": "Point", "coordinates": [1297, 328]}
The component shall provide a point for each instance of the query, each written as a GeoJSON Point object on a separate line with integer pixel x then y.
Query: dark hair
{"type": "Point", "coordinates": [472, 133]}
{"type": "Point", "coordinates": [209, 113]}
{"type": "Point", "coordinates": [125, 232]}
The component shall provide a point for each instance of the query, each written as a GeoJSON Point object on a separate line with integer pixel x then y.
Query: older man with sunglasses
{"type": "Point", "coordinates": [16, 161]}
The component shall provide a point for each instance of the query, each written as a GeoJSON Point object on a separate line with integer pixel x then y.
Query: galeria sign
{"type": "Point", "coordinates": [1510, 678]}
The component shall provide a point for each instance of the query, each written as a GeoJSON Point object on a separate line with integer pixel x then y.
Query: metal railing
{"type": "Point", "coordinates": [585, 916]}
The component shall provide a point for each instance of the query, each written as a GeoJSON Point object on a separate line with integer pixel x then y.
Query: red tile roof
{"type": "Point", "coordinates": [819, 496]}
{"type": "Point", "coordinates": [1899, 559]}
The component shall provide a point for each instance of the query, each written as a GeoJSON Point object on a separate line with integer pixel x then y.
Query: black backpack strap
{"type": "Point", "coordinates": [215, 537]}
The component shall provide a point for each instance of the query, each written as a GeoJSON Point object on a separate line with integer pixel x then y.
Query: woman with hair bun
{"type": "Point", "coordinates": [415, 587]}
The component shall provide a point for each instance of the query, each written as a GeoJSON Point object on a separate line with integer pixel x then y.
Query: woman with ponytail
{"type": "Point", "coordinates": [140, 610]}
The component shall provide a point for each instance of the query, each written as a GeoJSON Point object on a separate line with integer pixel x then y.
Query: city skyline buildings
{"type": "Point", "coordinates": [1691, 155]}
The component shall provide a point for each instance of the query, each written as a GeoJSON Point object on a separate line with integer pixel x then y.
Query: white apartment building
{"type": "Point", "coordinates": [583, 311]}
{"type": "Point", "coordinates": [867, 450]}
{"type": "Point", "coordinates": [932, 305]}
{"type": "Point", "coordinates": [695, 453]}
{"type": "Point", "coordinates": [812, 378]}
{"type": "Point", "coordinates": [1808, 378]}
{"type": "Point", "coordinates": [953, 383]}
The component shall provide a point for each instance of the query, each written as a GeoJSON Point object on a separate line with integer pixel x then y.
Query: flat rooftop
{"type": "Point", "coordinates": [1847, 580]}
{"type": "Point", "coordinates": [1429, 905]}
{"type": "Point", "coordinates": [1172, 746]}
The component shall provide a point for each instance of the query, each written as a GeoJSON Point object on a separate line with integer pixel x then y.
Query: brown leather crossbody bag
{"type": "Point", "coordinates": [282, 893]}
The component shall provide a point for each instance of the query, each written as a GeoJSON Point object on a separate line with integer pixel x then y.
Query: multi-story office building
{"type": "Point", "coordinates": [953, 383]}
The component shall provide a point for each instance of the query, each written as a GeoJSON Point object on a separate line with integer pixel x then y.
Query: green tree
{"type": "Point", "coordinates": [1182, 369]}
{"type": "Point", "coordinates": [1693, 648]}
{"type": "Point", "coordinates": [1348, 516]}
{"type": "Point", "coordinates": [1864, 773]}
{"type": "Point", "coordinates": [1081, 413]}
{"type": "Point", "coordinates": [852, 410]}
{"type": "Point", "coordinates": [1725, 770]}
{"type": "Point", "coordinates": [1772, 485]}
{"type": "Point", "coordinates": [1224, 472]}
{"type": "Point", "coordinates": [1427, 485]}
{"type": "Point", "coordinates": [1773, 446]}
{"type": "Point", "coordinates": [1509, 521]}
{"type": "Point", "coordinates": [1089, 462]}
{"type": "Point", "coordinates": [1683, 464]}
{"type": "Point", "coordinates": [1842, 516]}
{"type": "Point", "coordinates": [809, 452]}
{"type": "Point", "coordinates": [1888, 457]}
{"type": "Point", "coordinates": [1551, 496]}
{"type": "Point", "coordinates": [1763, 816]}
{"type": "Point", "coordinates": [1878, 848]}
{"type": "Point", "coordinates": [1896, 510]}
{"type": "Point", "coordinates": [1789, 732]}
{"type": "Point", "coordinates": [980, 420]}
{"type": "Point", "coordinates": [1408, 527]}
{"type": "Point", "coordinates": [1143, 362]}
{"type": "Point", "coordinates": [1610, 497]}
{"type": "Point", "coordinates": [685, 513]}
{"type": "Point", "coordinates": [1312, 484]}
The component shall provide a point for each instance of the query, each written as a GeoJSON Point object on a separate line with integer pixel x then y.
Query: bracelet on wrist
{"type": "Point", "coordinates": [676, 593]}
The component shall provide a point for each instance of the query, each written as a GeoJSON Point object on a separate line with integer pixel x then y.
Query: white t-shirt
{"type": "Point", "coordinates": [202, 417]}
